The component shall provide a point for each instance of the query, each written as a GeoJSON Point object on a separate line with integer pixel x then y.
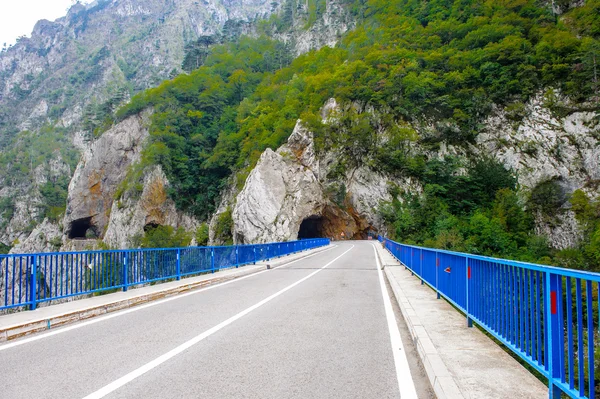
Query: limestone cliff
{"type": "Point", "coordinates": [292, 188]}
{"type": "Point", "coordinates": [71, 74]}
{"type": "Point", "coordinates": [545, 146]}
{"type": "Point", "coordinates": [130, 215]}
{"type": "Point", "coordinates": [289, 195]}
{"type": "Point", "coordinates": [102, 168]}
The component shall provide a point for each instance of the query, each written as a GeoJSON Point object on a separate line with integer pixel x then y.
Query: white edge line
{"type": "Point", "coordinates": [406, 385]}
{"type": "Point", "coordinates": [141, 307]}
{"type": "Point", "coordinates": [102, 392]}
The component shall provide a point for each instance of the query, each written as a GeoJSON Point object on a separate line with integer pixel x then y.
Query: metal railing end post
{"type": "Point", "coordinates": [212, 260]}
{"type": "Point", "coordinates": [178, 264]}
{"type": "Point", "coordinates": [124, 271]}
{"type": "Point", "coordinates": [33, 305]}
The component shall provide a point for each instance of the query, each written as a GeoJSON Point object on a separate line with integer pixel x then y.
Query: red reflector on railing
{"type": "Point", "coordinates": [469, 272]}
{"type": "Point", "coordinates": [553, 309]}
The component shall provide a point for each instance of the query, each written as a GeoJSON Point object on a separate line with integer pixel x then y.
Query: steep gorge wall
{"type": "Point", "coordinates": [74, 72]}
{"type": "Point", "coordinates": [291, 185]}
{"type": "Point", "coordinates": [546, 147]}
{"type": "Point", "coordinates": [94, 215]}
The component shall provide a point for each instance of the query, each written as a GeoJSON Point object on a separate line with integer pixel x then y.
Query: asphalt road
{"type": "Point", "coordinates": [315, 328]}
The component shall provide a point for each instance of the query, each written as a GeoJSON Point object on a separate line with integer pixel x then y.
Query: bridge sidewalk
{"type": "Point", "coordinates": [16, 325]}
{"type": "Point", "coordinates": [460, 362]}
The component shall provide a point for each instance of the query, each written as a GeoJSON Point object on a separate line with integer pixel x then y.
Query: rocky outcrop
{"type": "Point", "coordinates": [288, 195]}
{"type": "Point", "coordinates": [26, 201]}
{"type": "Point", "coordinates": [102, 168]}
{"type": "Point", "coordinates": [543, 147]}
{"type": "Point", "coordinates": [129, 216]}
{"type": "Point", "coordinates": [46, 237]}
{"type": "Point", "coordinates": [279, 194]}
{"type": "Point", "coordinates": [326, 31]}
{"type": "Point", "coordinates": [563, 230]}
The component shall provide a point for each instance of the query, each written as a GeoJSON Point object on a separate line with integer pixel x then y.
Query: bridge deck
{"type": "Point", "coordinates": [315, 328]}
{"type": "Point", "coordinates": [461, 362]}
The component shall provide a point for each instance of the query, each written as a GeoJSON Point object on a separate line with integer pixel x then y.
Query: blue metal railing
{"type": "Point", "coordinates": [30, 279]}
{"type": "Point", "coordinates": [548, 316]}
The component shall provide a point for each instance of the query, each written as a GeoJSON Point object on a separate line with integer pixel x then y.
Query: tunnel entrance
{"type": "Point", "coordinates": [150, 226]}
{"type": "Point", "coordinates": [81, 229]}
{"type": "Point", "coordinates": [311, 227]}
{"type": "Point", "coordinates": [336, 224]}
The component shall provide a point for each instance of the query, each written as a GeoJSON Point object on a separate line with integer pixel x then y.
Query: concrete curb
{"type": "Point", "coordinates": [439, 376]}
{"type": "Point", "coordinates": [22, 329]}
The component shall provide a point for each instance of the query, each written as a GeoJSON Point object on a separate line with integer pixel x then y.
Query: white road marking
{"type": "Point", "coordinates": [141, 307]}
{"type": "Point", "coordinates": [405, 381]}
{"type": "Point", "coordinates": [186, 345]}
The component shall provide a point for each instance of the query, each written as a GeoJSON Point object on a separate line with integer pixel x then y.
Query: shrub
{"type": "Point", "coordinates": [202, 235]}
{"type": "Point", "coordinates": [224, 227]}
{"type": "Point", "coordinates": [165, 237]}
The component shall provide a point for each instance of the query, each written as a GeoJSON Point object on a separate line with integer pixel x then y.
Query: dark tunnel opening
{"type": "Point", "coordinates": [82, 229]}
{"type": "Point", "coordinates": [311, 227]}
{"type": "Point", "coordinates": [150, 226]}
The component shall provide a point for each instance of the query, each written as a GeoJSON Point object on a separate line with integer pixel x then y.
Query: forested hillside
{"type": "Point", "coordinates": [60, 86]}
{"type": "Point", "coordinates": [425, 73]}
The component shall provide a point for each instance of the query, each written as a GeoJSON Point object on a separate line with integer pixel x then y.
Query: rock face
{"type": "Point", "coordinates": [122, 40]}
{"type": "Point", "coordinates": [26, 200]}
{"type": "Point", "coordinates": [46, 237]}
{"type": "Point", "coordinates": [279, 194]}
{"type": "Point", "coordinates": [102, 168]}
{"type": "Point", "coordinates": [544, 147]}
{"type": "Point", "coordinates": [93, 213]}
{"type": "Point", "coordinates": [335, 21]}
{"type": "Point", "coordinates": [287, 196]}
{"type": "Point", "coordinates": [129, 216]}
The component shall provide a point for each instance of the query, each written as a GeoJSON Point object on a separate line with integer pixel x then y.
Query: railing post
{"type": "Point", "coordinates": [553, 336]}
{"type": "Point", "coordinates": [421, 261]}
{"type": "Point", "coordinates": [467, 280]}
{"type": "Point", "coordinates": [254, 255]}
{"type": "Point", "coordinates": [178, 264]}
{"type": "Point", "coordinates": [212, 260]}
{"type": "Point", "coordinates": [237, 261]}
{"type": "Point", "coordinates": [33, 283]}
{"type": "Point", "coordinates": [437, 274]}
{"type": "Point", "coordinates": [125, 272]}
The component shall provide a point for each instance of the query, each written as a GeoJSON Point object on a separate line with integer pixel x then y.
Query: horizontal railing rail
{"type": "Point", "coordinates": [27, 280]}
{"type": "Point", "coordinates": [548, 316]}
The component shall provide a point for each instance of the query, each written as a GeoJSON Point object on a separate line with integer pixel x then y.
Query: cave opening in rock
{"type": "Point", "coordinates": [82, 229]}
{"type": "Point", "coordinates": [311, 227]}
{"type": "Point", "coordinates": [150, 226]}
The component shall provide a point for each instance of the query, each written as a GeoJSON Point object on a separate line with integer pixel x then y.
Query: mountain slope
{"type": "Point", "coordinates": [63, 84]}
{"type": "Point", "coordinates": [72, 74]}
{"type": "Point", "coordinates": [450, 101]}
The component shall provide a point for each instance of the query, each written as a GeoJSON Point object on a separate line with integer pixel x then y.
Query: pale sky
{"type": "Point", "coordinates": [18, 17]}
